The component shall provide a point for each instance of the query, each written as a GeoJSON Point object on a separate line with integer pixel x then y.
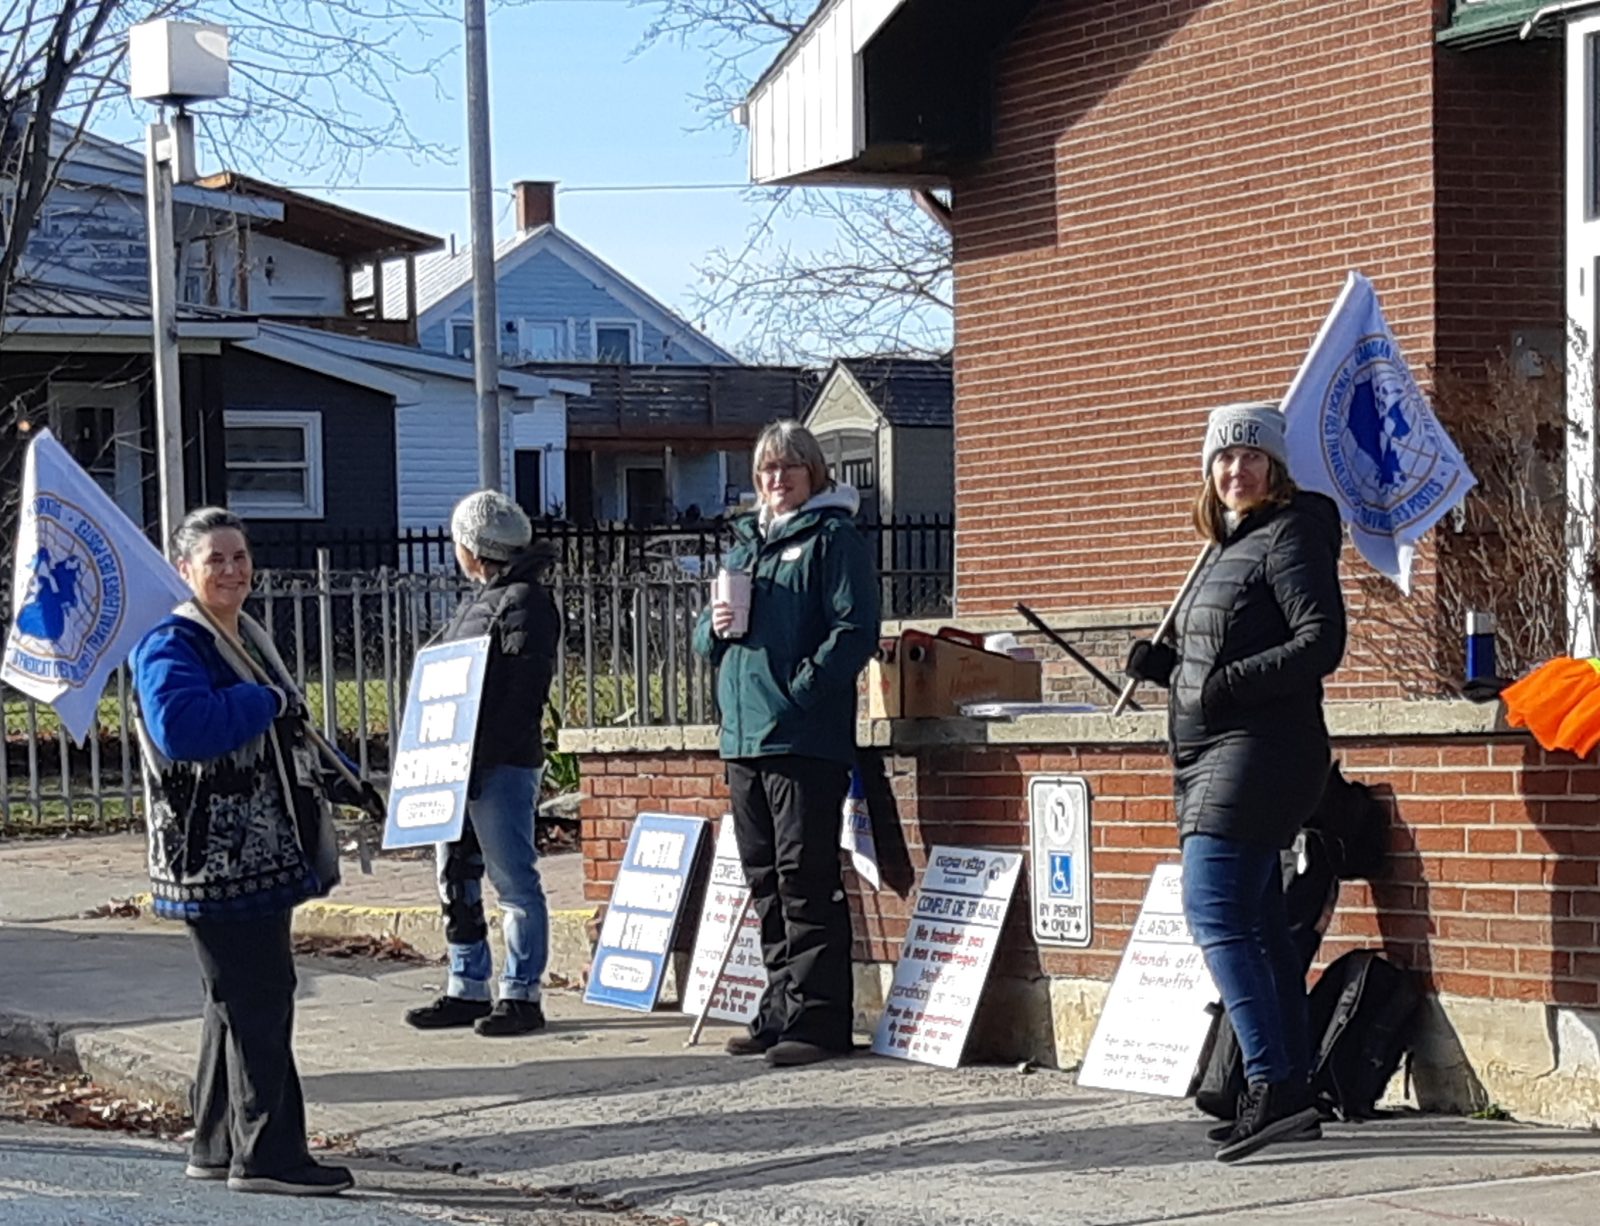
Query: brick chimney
{"type": "Point", "coordinates": [536, 204]}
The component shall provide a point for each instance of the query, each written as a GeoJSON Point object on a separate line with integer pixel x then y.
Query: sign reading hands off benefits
{"type": "Point", "coordinates": [1155, 1021]}
{"type": "Point", "coordinates": [433, 760]}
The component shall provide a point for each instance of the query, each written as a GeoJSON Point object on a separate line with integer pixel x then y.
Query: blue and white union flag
{"type": "Point", "coordinates": [86, 586]}
{"type": "Point", "coordinates": [1360, 431]}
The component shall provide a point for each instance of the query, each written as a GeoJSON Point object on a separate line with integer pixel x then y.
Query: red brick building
{"type": "Point", "coordinates": [1152, 207]}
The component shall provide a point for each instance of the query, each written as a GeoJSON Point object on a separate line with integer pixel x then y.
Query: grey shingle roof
{"type": "Point", "coordinates": [907, 391]}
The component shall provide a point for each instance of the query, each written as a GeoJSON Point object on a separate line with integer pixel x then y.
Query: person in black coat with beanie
{"type": "Point", "coordinates": [511, 605]}
{"type": "Point", "coordinates": [1262, 626]}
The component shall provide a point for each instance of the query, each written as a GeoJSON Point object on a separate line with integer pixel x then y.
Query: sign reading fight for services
{"type": "Point", "coordinates": [744, 979]}
{"type": "Point", "coordinates": [642, 918]}
{"type": "Point", "coordinates": [1155, 1023]}
{"type": "Point", "coordinates": [433, 760]}
{"type": "Point", "coordinates": [1058, 815]}
{"type": "Point", "coordinates": [950, 944]}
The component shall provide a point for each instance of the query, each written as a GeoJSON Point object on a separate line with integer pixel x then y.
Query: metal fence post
{"type": "Point", "coordinates": [325, 616]}
{"type": "Point", "coordinates": [358, 630]}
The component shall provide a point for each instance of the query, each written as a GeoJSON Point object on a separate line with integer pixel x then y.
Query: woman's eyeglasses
{"type": "Point", "coordinates": [768, 472]}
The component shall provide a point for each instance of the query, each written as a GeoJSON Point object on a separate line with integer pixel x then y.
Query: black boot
{"type": "Point", "coordinates": [1278, 1112]}
{"type": "Point", "coordinates": [447, 1012]}
{"type": "Point", "coordinates": [512, 1017]}
{"type": "Point", "coordinates": [1224, 1131]}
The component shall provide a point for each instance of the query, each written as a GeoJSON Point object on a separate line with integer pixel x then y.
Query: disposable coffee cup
{"type": "Point", "coordinates": [733, 589]}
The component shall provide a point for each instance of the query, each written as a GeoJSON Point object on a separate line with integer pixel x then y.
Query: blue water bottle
{"type": "Point", "coordinates": [1480, 646]}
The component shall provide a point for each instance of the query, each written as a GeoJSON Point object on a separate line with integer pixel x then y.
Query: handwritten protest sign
{"type": "Point", "coordinates": [1154, 1025]}
{"type": "Point", "coordinates": [433, 760]}
{"type": "Point", "coordinates": [950, 944]}
{"type": "Point", "coordinates": [744, 979]}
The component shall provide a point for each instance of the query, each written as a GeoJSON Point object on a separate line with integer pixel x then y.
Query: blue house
{"type": "Point", "coordinates": [560, 304]}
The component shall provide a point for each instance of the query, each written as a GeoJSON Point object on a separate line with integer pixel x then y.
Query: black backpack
{"type": "Point", "coordinates": [1363, 1009]}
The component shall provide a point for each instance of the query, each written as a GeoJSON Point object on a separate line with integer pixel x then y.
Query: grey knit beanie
{"type": "Point", "coordinates": [489, 525]}
{"type": "Point", "coordinates": [1257, 424]}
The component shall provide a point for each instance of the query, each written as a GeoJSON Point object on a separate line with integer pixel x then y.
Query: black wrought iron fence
{"type": "Point", "coordinates": [349, 638]}
{"type": "Point", "coordinates": [915, 555]}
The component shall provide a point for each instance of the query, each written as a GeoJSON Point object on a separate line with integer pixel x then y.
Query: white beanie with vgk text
{"type": "Point", "coordinates": [1257, 425]}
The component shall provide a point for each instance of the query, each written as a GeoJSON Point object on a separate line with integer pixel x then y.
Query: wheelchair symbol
{"type": "Point", "coordinates": [1060, 875]}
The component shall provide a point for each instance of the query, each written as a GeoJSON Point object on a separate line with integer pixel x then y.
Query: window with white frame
{"type": "Point", "coordinates": [542, 340]}
{"type": "Point", "coordinates": [274, 461]}
{"type": "Point", "coordinates": [616, 341]}
{"type": "Point", "coordinates": [460, 338]}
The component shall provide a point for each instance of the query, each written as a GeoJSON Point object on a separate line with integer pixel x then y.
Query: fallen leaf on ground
{"type": "Point", "coordinates": [38, 1091]}
{"type": "Point", "coordinates": [385, 948]}
{"type": "Point", "coordinates": [116, 908]}
{"type": "Point", "coordinates": [331, 1141]}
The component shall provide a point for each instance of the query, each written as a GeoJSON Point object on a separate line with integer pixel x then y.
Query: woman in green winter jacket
{"type": "Point", "coordinates": [786, 687]}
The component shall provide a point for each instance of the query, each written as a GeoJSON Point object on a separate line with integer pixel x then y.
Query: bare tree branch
{"type": "Point", "coordinates": [883, 284]}
{"type": "Point", "coordinates": [315, 83]}
{"type": "Point", "coordinates": [1508, 552]}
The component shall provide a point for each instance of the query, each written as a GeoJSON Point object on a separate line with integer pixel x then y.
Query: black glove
{"type": "Point", "coordinates": [1151, 662]}
{"type": "Point", "coordinates": [373, 802]}
{"type": "Point", "coordinates": [365, 797]}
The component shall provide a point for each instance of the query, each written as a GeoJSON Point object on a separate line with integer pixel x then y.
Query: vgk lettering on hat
{"type": "Point", "coordinates": [1239, 434]}
{"type": "Point", "coordinates": [1243, 425]}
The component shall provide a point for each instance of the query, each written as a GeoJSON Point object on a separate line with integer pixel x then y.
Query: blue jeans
{"type": "Point", "coordinates": [1233, 900]}
{"type": "Point", "coordinates": [497, 837]}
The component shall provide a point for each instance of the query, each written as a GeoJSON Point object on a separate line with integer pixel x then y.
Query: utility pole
{"type": "Point", "coordinates": [485, 312]}
{"type": "Point", "coordinates": [169, 159]}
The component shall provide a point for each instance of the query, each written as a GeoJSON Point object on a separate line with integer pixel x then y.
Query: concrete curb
{"type": "Point", "coordinates": [422, 928]}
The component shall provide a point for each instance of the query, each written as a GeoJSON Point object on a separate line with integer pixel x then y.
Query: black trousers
{"type": "Point", "coordinates": [786, 817]}
{"type": "Point", "coordinates": [248, 1111]}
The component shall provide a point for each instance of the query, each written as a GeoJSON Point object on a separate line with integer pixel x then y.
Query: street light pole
{"type": "Point", "coordinates": [171, 63]}
{"type": "Point", "coordinates": [169, 159]}
{"type": "Point", "coordinates": [485, 315]}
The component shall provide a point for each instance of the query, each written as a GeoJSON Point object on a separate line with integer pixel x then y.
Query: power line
{"type": "Point", "coordinates": [582, 189]}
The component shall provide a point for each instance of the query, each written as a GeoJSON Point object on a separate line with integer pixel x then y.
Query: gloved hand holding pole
{"type": "Point", "coordinates": [1166, 625]}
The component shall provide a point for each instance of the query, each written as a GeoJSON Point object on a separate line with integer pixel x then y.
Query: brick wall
{"type": "Point", "coordinates": [1493, 889]}
{"type": "Point", "coordinates": [1498, 131]}
{"type": "Point", "coordinates": [1176, 193]}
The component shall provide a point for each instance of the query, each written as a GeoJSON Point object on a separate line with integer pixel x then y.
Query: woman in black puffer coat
{"type": "Point", "coordinates": [1260, 629]}
{"type": "Point", "coordinates": [511, 605]}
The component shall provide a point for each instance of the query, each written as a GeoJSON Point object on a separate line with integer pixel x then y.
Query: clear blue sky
{"type": "Point", "coordinates": [571, 101]}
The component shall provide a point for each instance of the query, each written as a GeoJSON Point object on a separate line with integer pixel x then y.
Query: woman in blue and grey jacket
{"type": "Point", "coordinates": [240, 832]}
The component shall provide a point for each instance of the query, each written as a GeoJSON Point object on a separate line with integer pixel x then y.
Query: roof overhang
{"type": "Point", "coordinates": [417, 361]}
{"type": "Point", "coordinates": [345, 370]}
{"type": "Point", "coordinates": [1482, 23]}
{"type": "Point", "coordinates": [185, 194]}
{"type": "Point", "coordinates": [322, 225]}
{"type": "Point", "coordinates": [214, 330]}
{"type": "Point", "coordinates": [890, 93]}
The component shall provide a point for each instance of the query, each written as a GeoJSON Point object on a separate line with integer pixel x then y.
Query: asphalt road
{"type": "Point", "coordinates": [65, 1177]}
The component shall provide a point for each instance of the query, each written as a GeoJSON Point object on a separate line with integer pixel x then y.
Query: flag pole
{"type": "Point", "coordinates": [1124, 698]}
{"type": "Point", "coordinates": [329, 753]}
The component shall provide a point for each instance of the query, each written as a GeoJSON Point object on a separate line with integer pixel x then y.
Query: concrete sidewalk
{"type": "Point", "coordinates": [612, 1103]}
{"type": "Point", "coordinates": [58, 879]}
